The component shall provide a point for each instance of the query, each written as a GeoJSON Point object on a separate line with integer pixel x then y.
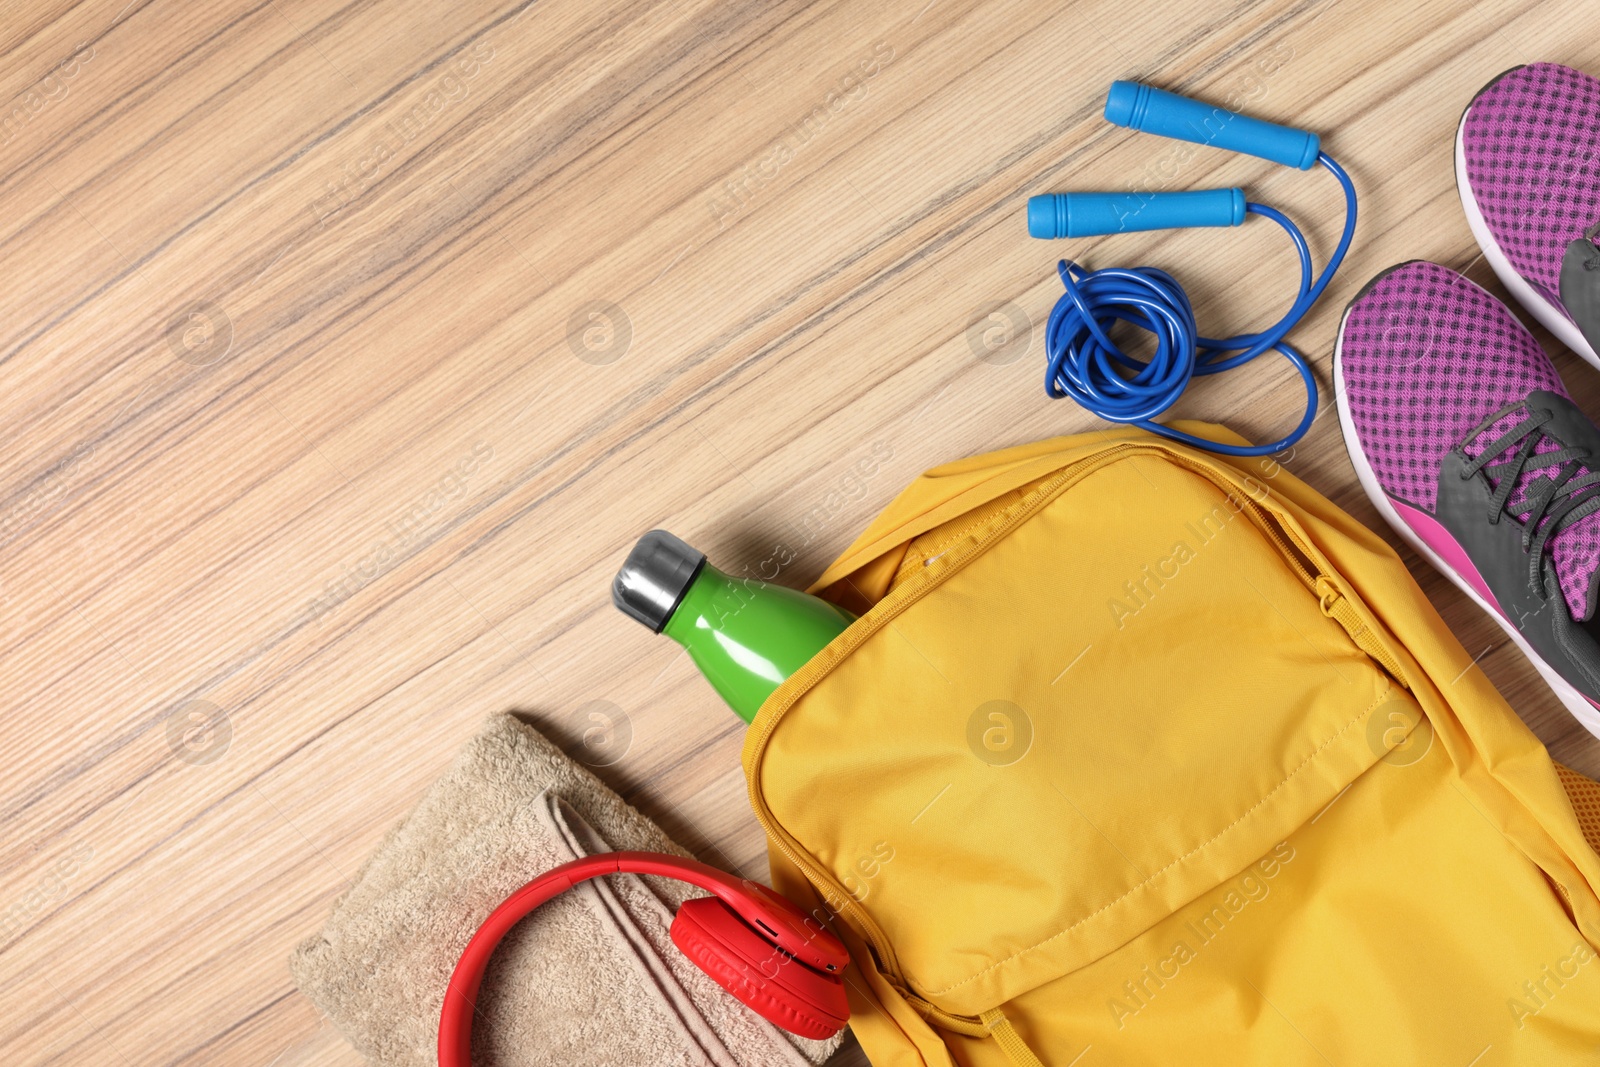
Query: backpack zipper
{"type": "Point", "coordinates": [1330, 598]}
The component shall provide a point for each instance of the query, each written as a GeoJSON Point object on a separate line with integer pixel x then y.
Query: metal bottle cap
{"type": "Point", "coordinates": [654, 578]}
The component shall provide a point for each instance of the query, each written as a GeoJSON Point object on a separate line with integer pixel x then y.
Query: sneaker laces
{"type": "Point", "coordinates": [1551, 502]}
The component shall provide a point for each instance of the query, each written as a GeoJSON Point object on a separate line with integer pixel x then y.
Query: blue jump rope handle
{"type": "Point", "coordinates": [1143, 107]}
{"type": "Point", "coordinates": [1092, 214]}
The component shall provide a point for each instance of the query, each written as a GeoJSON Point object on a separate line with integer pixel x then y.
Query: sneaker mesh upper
{"type": "Point", "coordinates": [1532, 144]}
{"type": "Point", "coordinates": [1426, 358]}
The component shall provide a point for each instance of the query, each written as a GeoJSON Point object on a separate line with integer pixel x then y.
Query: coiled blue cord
{"type": "Point", "coordinates": [1083, 359]}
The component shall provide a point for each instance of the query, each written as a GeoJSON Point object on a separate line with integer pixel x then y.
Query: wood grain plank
{"type": "Point", "coordinates": [384, 495]}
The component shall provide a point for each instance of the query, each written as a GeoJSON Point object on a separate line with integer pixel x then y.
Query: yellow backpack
{"type": "Point", "coordinates": [1142, 755]}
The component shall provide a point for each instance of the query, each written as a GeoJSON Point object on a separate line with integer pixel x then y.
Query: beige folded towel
{"type": "Point", "coordinates": [589, 978]}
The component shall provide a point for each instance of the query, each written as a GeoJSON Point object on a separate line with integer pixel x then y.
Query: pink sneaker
{"type": "Point", "coordinates": [1465, 439]}
{"type": "Point", "coordinates": [1528, 171]}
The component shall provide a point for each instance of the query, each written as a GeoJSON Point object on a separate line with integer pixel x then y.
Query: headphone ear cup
{"type": "Point", "coordinates": [778, 987]}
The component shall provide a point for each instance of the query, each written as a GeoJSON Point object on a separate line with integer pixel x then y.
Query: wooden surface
{"type": "Point", "coordinates": [347, 348]}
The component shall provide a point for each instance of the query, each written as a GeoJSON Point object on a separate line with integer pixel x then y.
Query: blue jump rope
{"type": "Point", "coordinates": [1083, 360]}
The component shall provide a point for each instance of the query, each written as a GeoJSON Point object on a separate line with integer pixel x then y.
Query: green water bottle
{"type": "Point", "coordinates": [745, 635]}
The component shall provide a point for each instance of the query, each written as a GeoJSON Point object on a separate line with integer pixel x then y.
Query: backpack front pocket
{"type": "Point", "coordinates": [1102, 702]}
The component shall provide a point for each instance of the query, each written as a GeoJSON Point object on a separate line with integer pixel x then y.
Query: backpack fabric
{"type": "Point", "coordinates": [1143, 755]}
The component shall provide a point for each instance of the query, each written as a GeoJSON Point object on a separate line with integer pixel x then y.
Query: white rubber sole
{"type": "Point", "coordinates": [1551, 317]}
{"type": "Point", "coordinates": [1570, 697]}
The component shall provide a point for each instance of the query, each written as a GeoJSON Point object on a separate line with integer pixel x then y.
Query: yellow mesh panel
{"type": "Point", "coordinates": [1584, 792]}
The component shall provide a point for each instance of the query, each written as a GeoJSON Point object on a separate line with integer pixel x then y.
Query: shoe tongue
{"type": "Point", "coordinates": [1575, 551]}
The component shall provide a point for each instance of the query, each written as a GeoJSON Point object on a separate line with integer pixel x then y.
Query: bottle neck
{"type": "Point", "coordinates": [747, 636]}
{"type": "Point", "coordinates": [711, 599]}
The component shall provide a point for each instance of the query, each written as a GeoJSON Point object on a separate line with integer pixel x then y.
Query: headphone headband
{"type": "Point", "coordinates": [771, 914]}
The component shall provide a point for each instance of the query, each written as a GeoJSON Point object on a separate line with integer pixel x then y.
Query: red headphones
{"type": "Point", "coordinates": [751, 941]}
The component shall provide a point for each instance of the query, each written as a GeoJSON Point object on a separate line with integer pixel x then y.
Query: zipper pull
{"type": "Point", "coordinates": [1336, 606]}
